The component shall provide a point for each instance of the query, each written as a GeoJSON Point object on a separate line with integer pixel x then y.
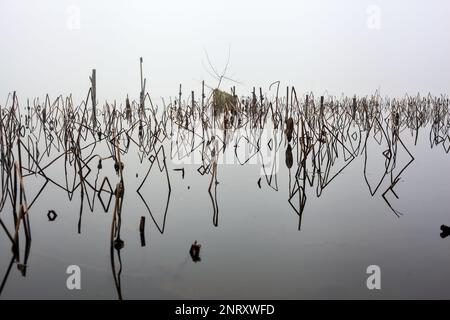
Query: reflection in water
{"type": "Point", "coordinates": [195, 251]}
{"type": "Point", "coordinates": [445, 231]}
{"type": "Point", "coordinates": [116, 243]}
{"type": "Point", "coordinates": [160, 159]}
{"type": "Point", "coordinates": [51, 215]}
{"type": "Point", "coordinates": [320, 138]}
{"type": "Point", "coordinates": [142, 231]}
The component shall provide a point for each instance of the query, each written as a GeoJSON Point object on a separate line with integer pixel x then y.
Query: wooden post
{"type": "Point", "coordinates": [94, 97]}
{"type": "Point", "coordinates": [141, 61]}
{"type": "Point", "coordinates": [321, 106]}
{"type": "Point", "coordinates": [253, 102]}
{"type": "Point", "coordinates": [142, 231]}
{"type": "Point", "coordinates": [306, 106]}
{"type": "Point", "coordinates": [203, 97]}
{"type": "Point", "coordinates": [192, 103]}
{"type": "Point", "coordinates": [128, 109]}
{"type": "Point", "coordinates": [142, 225]}
{"type": "Point", "coordinates": [179, 96]}
{"type": "Point", "coordinates": [287, 104]}
{"type": "Point", "coordinates": [142, 95]}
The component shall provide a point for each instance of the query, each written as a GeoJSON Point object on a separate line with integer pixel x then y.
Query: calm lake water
{"type": "Point", "coordinates": [275, 220]}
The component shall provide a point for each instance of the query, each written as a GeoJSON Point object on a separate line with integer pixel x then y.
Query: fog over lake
{"type": "Point", "coordinates": [348, 46]}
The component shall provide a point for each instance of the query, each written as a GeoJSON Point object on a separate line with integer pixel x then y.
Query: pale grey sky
{"type": "Point", "coordinates": [313, 45]}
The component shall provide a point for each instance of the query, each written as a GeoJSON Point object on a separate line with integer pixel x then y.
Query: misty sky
{"type": "Point", "coordinates": [350, 46]}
